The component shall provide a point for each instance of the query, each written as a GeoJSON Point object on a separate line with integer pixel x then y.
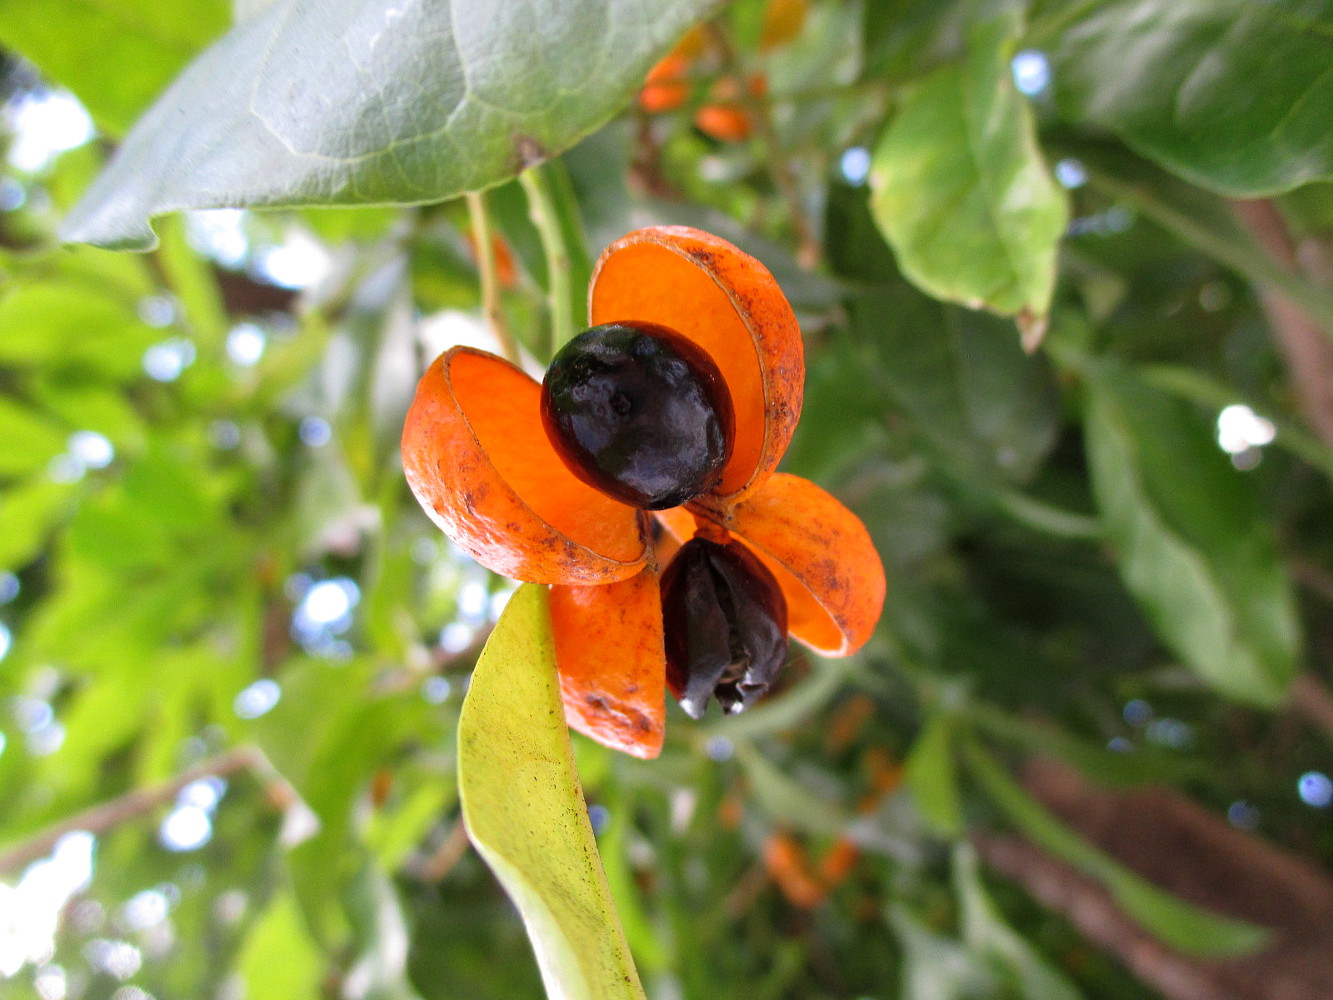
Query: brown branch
{"type": "Point", "coordinates": [1173, 842]}
{"type": "Point", "coordinates": [243, 296]}
{"type": "Point", "coordinates": [133, 804]}
{"type": "Point", "coordinates": [1090, 908]}
{"type": "Point", "coordinates": [1313, 702]}
{"type": "Point", "coordinates": [441, 861]}
{"type": "Point", "coordinates": [1313, 577]}
{"type": "Point", "coordinates": [1307, 351]}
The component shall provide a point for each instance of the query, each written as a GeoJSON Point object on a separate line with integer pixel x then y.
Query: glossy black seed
{"type": "Point", "coordinates": [638, 412]}
{"type": "Point", "coordinates": [725, 623]}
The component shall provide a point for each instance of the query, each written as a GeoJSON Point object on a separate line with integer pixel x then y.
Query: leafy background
{"type": "Point", "coordinates": [1087, 752]}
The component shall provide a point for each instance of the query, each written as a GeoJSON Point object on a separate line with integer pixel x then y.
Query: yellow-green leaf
{"type": "Point", "coordinates": [31, 440]}
{"type": "Point", "coordinates": [960, 190]}
{"type": "Point", "coordinates": [278, 959]}
{"type": "Point", "coordinates": [525, 812]}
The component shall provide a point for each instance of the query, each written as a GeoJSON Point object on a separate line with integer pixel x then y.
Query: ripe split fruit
{"type": "Point", "coordinates": [676, 407]}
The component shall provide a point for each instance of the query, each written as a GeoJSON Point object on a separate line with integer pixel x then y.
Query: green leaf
{"type": "Point", "coordinates": [194, 283]}
{"type": "Point", "coordinates": [902, 36]}
{"type": "Point", "coordinates": [933, 778]}
{"type": "Point", "coordinates": [1189, 541]}
{"type": "Point", "coordinates": [1188, 383]}
{"type": "Point", "coordinates": [278, 959]}
{"type": "Point", "coordinates": [644, 936]}
{"type": "Point", "coordinates": [935, 967]}
{"type": "Point", "coordinates": [330, 733]}
{"type": "Point", "coordinates": [29, 511]}
{"type": "Point", "coordinates": [1177, 923]}
{"type": "Point", "coordinates": [788, 801]}
{"type": "Point", "coordinates": [366, 101]}
{"type": "Point", "coordinates": [1200, 219]}
{"type": "Point", "coordinates": [115, 55]}
{"type": "Point", "coordinates": [525, 810]}
{"type": "Point", "coordinates": [86, 320]}
{"type": "Point", "coordinates": [1149, 762]}
{"type": "Point", "coordinates": [985, 930]}
{"type": "Point", "coordinates": [1229, 94]}
{"type": "Point", "coordinates": [959, 188]}
{"type": "Point", "coordinates": [87, 405]}
{"type": "Point", "coordinates": [380, 935]}
{"type": "Point", "coordinates": [30, 439]}
{"type": "Point", "coordinates": [393, 834]}
{"type": "Point", "coordinates": [986, 410]}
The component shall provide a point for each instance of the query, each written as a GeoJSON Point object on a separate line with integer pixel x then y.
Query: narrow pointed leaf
{"type": "Point", "coordinates": [373, 101]}
{"type": "Point", "coordinates": [1189, 541]}
{"type": "Point", "coordinates": [933, 778]}
{"type": "Point", "coordinates": [960, 190]}
{"type": "Point", "coordinates": [525, 811]}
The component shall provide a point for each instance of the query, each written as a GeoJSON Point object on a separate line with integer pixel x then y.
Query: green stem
{"type": "Point", "coordinates": [1199, 388]}
{"type": "Point", "coordinates": [1046, 29]}
{"type": "Point", "coordinates": [1235, 250]}
{"type": "Point", "coordinates": [490, 286]}
{"type": "Point", "coordinates": [1047, 519]}
{"type": "Point", "coordinates": [542, 210]}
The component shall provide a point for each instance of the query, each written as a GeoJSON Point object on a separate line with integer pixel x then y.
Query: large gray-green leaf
{"type": "Point", "coordinates": [1230, 94]}
{"type": "Point", "coordinates": [525, 811]}
{"type": "Point", "coordinates": [115, 55]}
{"type": "Point", "coordinates": [371, 101]}
{"type": "Point", "coordinates": [1189, 541]}
{"type": "Point", "coordinates": [960, 190]}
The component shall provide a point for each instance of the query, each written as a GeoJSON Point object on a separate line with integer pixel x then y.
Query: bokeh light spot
{"type": "Point", "coordinates": [1032, 72]}
{"type": "Point", "coordinates": [855, 165]}
{"type": "Point", "coordinates": [257, 699]}
{"type": "Point", "coordinates": [165, 361]}
{"type": "Point", "coordinates": [1315, 789]}
{"type": "Point", "coordinates": [186, 828]}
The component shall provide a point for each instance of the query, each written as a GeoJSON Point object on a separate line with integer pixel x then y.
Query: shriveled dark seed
{"type": "Point", "coordinates": [725, 623]}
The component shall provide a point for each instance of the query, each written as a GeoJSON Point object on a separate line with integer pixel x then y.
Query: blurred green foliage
{"type": "Point", "coordinates": [226, 626]}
